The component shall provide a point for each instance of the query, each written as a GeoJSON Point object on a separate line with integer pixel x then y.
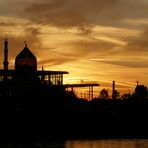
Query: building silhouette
{"type": "Point", "coordinates": [25, 78]}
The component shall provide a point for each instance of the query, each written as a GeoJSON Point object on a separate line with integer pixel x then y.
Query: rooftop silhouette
{"type": "Point", "coordinates": [40, 100]}
{"type": "Point", "coordinates": [25, 77]}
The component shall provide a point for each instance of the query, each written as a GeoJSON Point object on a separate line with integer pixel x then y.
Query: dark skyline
{"type": "Point", "coordinates": [94, 40]}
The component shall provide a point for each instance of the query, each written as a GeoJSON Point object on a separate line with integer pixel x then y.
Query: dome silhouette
{"type": "Point", "coordinates": [25, 60]}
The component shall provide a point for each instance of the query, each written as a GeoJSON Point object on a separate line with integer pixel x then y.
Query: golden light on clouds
{"type": "Point", "coordinates": [94, 40]}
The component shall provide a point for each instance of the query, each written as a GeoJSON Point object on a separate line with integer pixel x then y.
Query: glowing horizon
{"type": "Point", "coordinates": [100, 41]}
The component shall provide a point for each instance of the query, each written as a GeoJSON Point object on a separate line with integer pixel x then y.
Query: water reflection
{"type": "Point", "coordinates": [107, 144]}
{"type": "Point", "coordinates": [82, 144]}
{"type": "Point", "coordinates": [33, 145]}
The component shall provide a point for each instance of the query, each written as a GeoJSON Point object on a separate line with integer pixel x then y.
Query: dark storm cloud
{"type": "Point", "coordinates": [52, 12]}
{"type": "Point", "coordinates": [71, 13]}
{"type": "Point", "coordinates": [82, 14]}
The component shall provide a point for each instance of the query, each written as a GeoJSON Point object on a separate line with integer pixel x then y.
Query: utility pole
{"type": "Point", "coordinates": [137, 83]}
{"type": "Point", "coordinates": [5, 63]}
{"type": "Point", "coordinates": [113, 90]}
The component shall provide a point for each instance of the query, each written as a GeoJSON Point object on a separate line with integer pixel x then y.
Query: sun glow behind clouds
{"type": "Point", "coordinates": [99, 41]}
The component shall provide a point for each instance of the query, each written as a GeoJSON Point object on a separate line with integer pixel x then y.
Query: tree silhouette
{"type": "Point", "coordinates": [104, 94]}
{"type": "Point", "coordinates": [141, 91]}
{"type": "Point", "coordinates": [116, 94]}
{"type": "Point", "coordinates": [126, 96]}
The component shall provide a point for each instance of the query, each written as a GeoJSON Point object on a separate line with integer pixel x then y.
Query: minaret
{"type": "Point", "coordinates": [5, 63]}
{"type": "Point", "coordinates": [42, 74]}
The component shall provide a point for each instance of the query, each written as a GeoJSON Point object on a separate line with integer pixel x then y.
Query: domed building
{"type": "Point", "coordinates": [26, 67]}
{"type": "Point", "coordinates": [25, 76]}
{"type": "Point", "coordinates": [26, 60]}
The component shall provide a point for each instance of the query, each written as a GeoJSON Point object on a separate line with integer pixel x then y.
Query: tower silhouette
{"type": "Point", "coordinates": [25, 78]}
{"type": "Point", "coordinates": [5, 63]}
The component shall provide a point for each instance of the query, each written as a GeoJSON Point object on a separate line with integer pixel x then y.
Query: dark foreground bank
{"type": "Point", "coordinates": [46, 128]}
{"type": "Point", "coordinates": [46, 119]}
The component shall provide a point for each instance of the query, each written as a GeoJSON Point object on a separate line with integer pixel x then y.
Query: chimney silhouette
{"type": "Point", "coordinates": [113, 90]}
{"type": "Point", "coordinates": [5, 63]}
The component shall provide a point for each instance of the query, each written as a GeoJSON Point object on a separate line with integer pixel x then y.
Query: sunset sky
{"type": "Point", "coordinates": [95, 40]}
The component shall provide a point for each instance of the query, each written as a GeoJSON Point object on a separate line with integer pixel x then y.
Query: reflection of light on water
{"type": "Point", "coordinates": [83, 144]}
{"type": "Point", "coordinates": [107, 144]}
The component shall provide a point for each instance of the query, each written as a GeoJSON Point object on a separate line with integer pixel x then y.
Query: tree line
{"type": "Point", "coordinates": [140, 91]}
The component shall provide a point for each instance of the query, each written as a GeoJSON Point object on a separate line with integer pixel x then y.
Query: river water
{"type": "Point", "coordinates": [134, 143]}
{"type": "Point", "coordinates": [107, 144]}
